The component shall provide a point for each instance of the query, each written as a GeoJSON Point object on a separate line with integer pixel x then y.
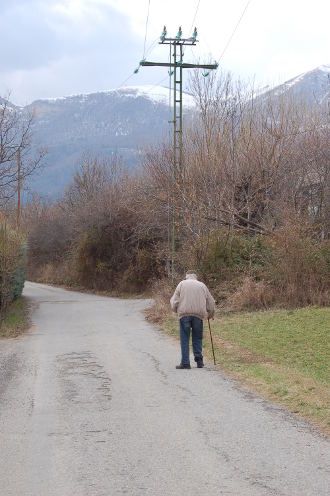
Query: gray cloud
{"type": "Point", "coordinates": [26, 39]}
{"type": "Point", "coordinates": [49, 51]}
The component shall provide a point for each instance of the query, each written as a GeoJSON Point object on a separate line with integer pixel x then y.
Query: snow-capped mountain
{"type": "Point", "coordinates": [6, 103]}
{"type": "Point", "coordinates": [311, 87]}
{"type": "Point", "coordinates": [156, 94]}
{"type": "Point", "coordinates": [121, 121]}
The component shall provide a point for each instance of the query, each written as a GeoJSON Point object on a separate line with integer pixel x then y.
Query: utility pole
{"type": "Point", "coordinates": [176, 67]}
{"type": "Point", "coordinates": [18, 186]}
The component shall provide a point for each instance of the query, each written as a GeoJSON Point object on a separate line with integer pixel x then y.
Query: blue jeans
{"type": "Point", "coordinates": [196, 326]}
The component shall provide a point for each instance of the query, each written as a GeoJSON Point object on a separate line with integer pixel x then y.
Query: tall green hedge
{"type": "Point", "coordinates": [19, 275]}
{"type": "Point", "coordinates": [13, 261]}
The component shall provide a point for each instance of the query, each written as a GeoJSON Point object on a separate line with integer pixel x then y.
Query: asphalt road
{"type": "Point", "coordinates": [91, 405]}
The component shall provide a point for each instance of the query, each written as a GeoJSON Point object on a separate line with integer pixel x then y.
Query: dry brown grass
{"type": "Point", "coordinates": [251, 294]}
{"type": "Point", "coordinates": [160, 310]}
{"type": "Point", "coordinates": [60, 274]}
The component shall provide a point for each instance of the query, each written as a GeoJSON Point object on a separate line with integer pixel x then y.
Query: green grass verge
{"type": "Point", "coordinates": [16, 319]}
{"type": "Point", "coordinates": [284, 355]}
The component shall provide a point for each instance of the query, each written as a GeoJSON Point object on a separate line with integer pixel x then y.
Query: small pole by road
{"type": "Point", "coordinates": [18, 186]}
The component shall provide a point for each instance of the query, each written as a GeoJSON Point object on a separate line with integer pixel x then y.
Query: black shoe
{"type": "Point", "coordinates": [183, 366]}
{"type": "Point", "coordinates": [200, 363]}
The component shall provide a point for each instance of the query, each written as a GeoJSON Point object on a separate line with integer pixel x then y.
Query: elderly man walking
{"type": "Point", "coordinates": [193, 302]}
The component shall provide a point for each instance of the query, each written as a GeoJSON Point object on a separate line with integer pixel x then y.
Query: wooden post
{"type": "Point", "coordinates": [18, 186]}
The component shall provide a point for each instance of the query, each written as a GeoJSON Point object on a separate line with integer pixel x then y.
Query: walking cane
{"type": "Point", "coordinates": [211, 340]}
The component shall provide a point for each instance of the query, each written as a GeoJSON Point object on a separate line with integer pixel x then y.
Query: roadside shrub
{"type": "Point", "coordinates": [12, 266]}
{"type": "Point", "coordinates": [19, 274]}
{"type": "Point", "coordinates": [145, 267]}
{"type": "Point", "coordinates": [95, 260]}
{"type": "Point", "coordinates": [298, 268]}
{"type": "Point", "coordinates": [224, 255]}
{"type": "Point", "coordinates": [293, 272]}
{"type": "Point", "coordinates": [106, 260]}
{"type": "Point", "coordinates": [60, 273]}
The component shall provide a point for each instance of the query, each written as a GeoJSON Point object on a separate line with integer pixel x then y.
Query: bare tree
{"type": "Point", "coordinates": [15, 144]}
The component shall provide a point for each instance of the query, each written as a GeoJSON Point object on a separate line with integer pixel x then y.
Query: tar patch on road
{"type": "Point", "coordinates": [9, 368]}
{"type": "Point", "coordinates": [83, 381]}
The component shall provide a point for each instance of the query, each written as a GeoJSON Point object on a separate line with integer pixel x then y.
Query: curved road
{"type": "Point", "coordinates": [91, 405]}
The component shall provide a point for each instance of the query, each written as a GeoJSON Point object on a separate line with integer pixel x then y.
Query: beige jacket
{"type": "Point", "coordinates": [192, 297]}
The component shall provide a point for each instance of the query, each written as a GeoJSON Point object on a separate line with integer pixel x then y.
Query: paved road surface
{"type": "Point", "coordinates": [91, 405]}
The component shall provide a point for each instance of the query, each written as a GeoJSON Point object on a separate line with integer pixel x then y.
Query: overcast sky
{"type": "Point", "coordinates": [53, 48]}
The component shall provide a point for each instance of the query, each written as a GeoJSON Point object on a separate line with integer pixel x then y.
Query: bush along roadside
{"type": "Point", "coordinates": [12, 266]}
{"type": "Point", "coordinates": [16, 318]}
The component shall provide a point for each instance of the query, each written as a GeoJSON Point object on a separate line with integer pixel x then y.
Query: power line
{"type": "Point", "coordinates": [193, 21]}
{"type": "Point", "coordinates": [133, 74]}
{"type": "Point", "coordinates": [234, 31]}
{"type": "Point", "coordinates": [125, 81]}
{"type": "Point", "coordinates": [145, 37]}
{"type": "Point", "coordinates": [151, 46]}
{"type": "Point", "coordinates": [148, 51]}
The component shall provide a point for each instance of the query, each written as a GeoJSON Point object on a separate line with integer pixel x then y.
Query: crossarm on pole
{"type": "Point", "coordinates": [184, 65]}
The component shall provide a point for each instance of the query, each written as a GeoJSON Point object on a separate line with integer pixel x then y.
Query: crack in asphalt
{"type": "Point", "coordinates": [252, 479]}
